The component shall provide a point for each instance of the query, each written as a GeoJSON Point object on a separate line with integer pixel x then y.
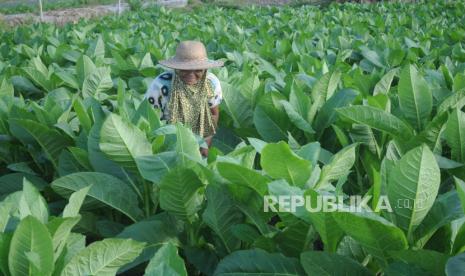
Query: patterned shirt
{"type": "Point", "coordinates": [159, 92]}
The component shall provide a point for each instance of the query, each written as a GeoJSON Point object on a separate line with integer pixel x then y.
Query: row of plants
{"type": "Point", "coordinates": [346, 100]}
{"type": "Point", "coordinates": [11, 7]}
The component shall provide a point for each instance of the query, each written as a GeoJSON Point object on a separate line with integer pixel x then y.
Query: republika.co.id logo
{"type": "Point", "coordinates": [331, 203]}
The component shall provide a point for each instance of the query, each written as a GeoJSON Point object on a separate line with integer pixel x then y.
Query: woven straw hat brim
{"type": "Point", "coordinates": [191, 65]}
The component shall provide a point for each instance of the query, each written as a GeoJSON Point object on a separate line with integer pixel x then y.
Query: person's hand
{"type": "Point", "coordinates": [204, 152]}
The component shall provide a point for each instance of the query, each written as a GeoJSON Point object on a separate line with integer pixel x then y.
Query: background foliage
{"type": "Point", "coordinates": [352, 99]}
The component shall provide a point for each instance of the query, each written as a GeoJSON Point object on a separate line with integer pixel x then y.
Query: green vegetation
{"type": "Point", "coordinates": [135, 5]}
{"type": "Point", "coordinates": [347, 100]}
{"type": "Point", "coordinates": [12, 7]}
{"type": "Point", "coordinates": [2, 23]}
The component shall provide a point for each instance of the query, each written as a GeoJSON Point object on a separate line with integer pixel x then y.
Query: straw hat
{"type": "Point", "coordinates": [190, 55]}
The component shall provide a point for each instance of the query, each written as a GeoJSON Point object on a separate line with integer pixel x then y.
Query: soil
{"type": "Point", "coordinates": [264, 2]}
{"type": "Point", "coordinates": [61, 17]}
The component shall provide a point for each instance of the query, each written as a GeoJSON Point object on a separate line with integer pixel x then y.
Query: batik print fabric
{"type": "Point", "coordinates": [159, 91]}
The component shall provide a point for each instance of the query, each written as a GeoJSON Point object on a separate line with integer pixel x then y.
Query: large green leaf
{"type": "Point", "coordinates": [179, 193]}
{"type": "Point", "coordinates": [295, 238]}
{"type": "Point", "coordinates": [163, 224]}
{"type": "Point", "coordinates": [384, 84]}
{"type": "Point", "coordinates": [122, 142]}
{"type": "Point", "coordinates": [81, 156]}
{"type": "Point", "coordinates": [296, 118]}
{"type": "Point", "coordinates": [431, 134]}
{"type": "Point", "coordinates": [339, 166]}
{"type": "Point", "coordinates": [21, 167]}
{"type": "Point", "coordinates": [237, 106]}
{"type": "Point", "coordinates": [455, 100]}
{"type": "Point", "coordinates": [372, 56]}
{"type": "Point", "coordinates": [373, 232]}
{"type": "Point", "coordinates": [6, 88]}
{"type": "Point", "coordinates": [322, 221]}
{"type": "Point", "coordinates": [399, 268]}
{"type": "Point", "coordinates": [322, 91]}
{"type": "Point", "coordinates": [365, 135]}
{"type": "Point", "coordinates": [68, 78]}
{"type": "Point", "coordinates": [154, 167]}
{"type": "Point", "coordinates": [251, 204]}
{"type": "Point", "coordinates": [413, 186]}
{"type": "Point", "coordinates": [47, 114]}
{"type": "Point", "coordinates": [82, 114]}
{"type": "Point", "coordinates": [105, 189]}
{"type": "Point", "coordinates": [330, 233]}
{"type": "Point", "coordinates": [202, 258]}
{"type": "Point", "coordinates": [103, 257]}
{"type": "Point", "coordinates": [38, 72]}
{"type": "Point", "coordinates": [299, 100]}
{"type": "Point", "coordinates": [323, 263]}
{"type": "Point", "coordinates": [75, 202]}
{"type": "Point", "coordinates": [258, 262]}
{"type": "Point", "coordinates": [460, 186]}
{"type": "Point", "coordinates": [166, 262]}
{"type": "Point", "coordinates": [280, 188]}
{"type": "Point", "coordinates": [97, 48]}
{"type": "Point", "coordinates": [50, 140]}
{"type": "Point", "coordinates": [351, 248]}
{"type": "Point", "coordinates": [278, 161]}
{"type": "Point", "coordinates": [270, 118]}
{"type": "Point", "coordinates": [225, 140]}
{"type": "Point", "coordinates": [242, 155]}
{"type": "Point", "coordinates": [310, 152]}
{"type": "Point", "coordinates": [97, 82]}
{"type": "Point", "coordinates": [445, 209]}
{"type": "Point", "coordinates": [240, 175]}
{"type": "Point", "coordinates": [23, 84]}
{"type": "Point", "coordinates": [9, 212]}
{"type": "Point", "coordinates": [459, 82]}
{"type": "Point", "coordinates": [327, 114]}
{"type": "Point", "coordinates": [455, 134]}
{"type": "Point", "coordinates": [186, 144]}
{"type": "Point", "coordinates": [428, 260]}
{"type": "Point", "coordinates": [5, 240]}
{"type": "Point", "coordinates": [12, 182]}
{"type": "Point", "coordinates": [456, 265]}
{"type": "Point", "coordinates": [31, 249]}
{"type": "Point", "coordinates": [67, 164]}
{"type": "Point", "coordinates": [84, 67]}
{"type": "Point", "coordinates": [97, 158]}
{"type": "Point", "coordinates": [415, 98]}
{"type": "Point", "coordinates": [221, 214]}
{"type": "Point", "coordinates": [32, 203]}
{"type": "Point", "coordinates": [377, 119]}
{"type": "Point", "coordinates": [60, 229]}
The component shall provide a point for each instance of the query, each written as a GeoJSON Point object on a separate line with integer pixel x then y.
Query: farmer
{"type": "Point", "coordinates": [189, 94]}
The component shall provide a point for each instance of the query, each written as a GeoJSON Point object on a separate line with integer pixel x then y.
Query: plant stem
{"type": "Point", "coordinates": [191, 234]}
{"type": "Point", "coordinates": [146, 198]}
{"type": "Point", "coordinates": [41, 11]}
{"type": "Point", "coordinates": [133, 185]}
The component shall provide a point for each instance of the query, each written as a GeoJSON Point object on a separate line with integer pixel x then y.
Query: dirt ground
{"type": "Point", "coordinates": [266, 2]}
{"type": "Point", "coordinates": [61, 17]}
{"type": "Point", "coordinates": [258, 2]}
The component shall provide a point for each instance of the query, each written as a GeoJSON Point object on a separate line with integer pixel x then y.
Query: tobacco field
{"type": "Point", "coordinates": [346, 100]}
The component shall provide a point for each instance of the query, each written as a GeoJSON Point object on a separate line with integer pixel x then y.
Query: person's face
{"type": "Point", "coordinates": [191, 77]}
